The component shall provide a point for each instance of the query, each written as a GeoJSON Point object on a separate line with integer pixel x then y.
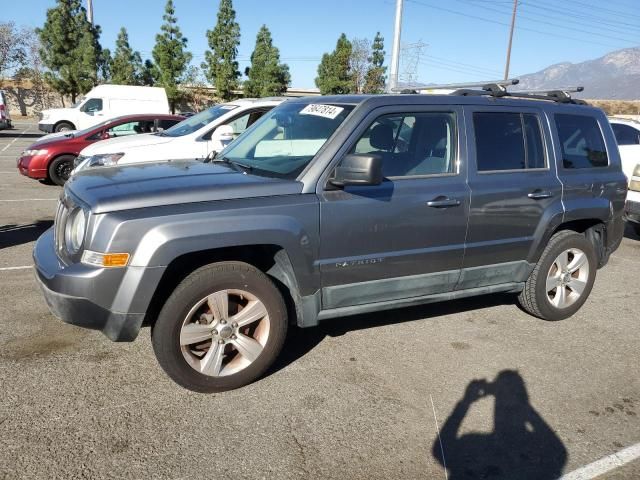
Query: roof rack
{"type": "Point", "coordinates": [499, 90]}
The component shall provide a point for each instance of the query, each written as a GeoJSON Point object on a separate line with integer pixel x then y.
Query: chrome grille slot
{"type": "Point", "coordinates": [58, 233]}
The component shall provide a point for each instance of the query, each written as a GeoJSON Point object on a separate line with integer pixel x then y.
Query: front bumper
{"type": "Point", "coordinates": [113, 301]}
{"type": "Point", "coordinates": [46, 127]}
{"type": "Point", "coordinates": [26, 166]}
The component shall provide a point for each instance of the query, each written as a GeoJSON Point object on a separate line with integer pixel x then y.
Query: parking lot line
{"type": "Point", "coordinates": [444, 462]}
{"type": "Point", "coordinates": [604, 465]}
{"type": "Point", "coordinates": [16, 138]}
{"type": "Point", "coordinates": [23, 267]}
{"type": "Point", "coordinates": [30, 200]}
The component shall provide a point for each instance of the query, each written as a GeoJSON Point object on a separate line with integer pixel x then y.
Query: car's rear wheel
{"type": "Point", "coordinates": [562, 279]}
{"type": "Point", "coordinates": [221, 328]}
{"type": "Point", "coordinates": [60, 169]}
{"type": "Point", "coordinates": [63, 127]}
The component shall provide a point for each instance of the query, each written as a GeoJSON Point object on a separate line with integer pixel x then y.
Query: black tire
{"type": "Point", "coordinates": [60, 169]}
{"type": "Point", "coordinates": [165, 332]}
{"type": "Point", "coordinates": [63, 127]}
{"type": "Point", "coordinates": [534, 297]}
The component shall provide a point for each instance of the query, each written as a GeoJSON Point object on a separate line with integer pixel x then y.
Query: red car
{"type": "Point", "coordinates": [51, 158]}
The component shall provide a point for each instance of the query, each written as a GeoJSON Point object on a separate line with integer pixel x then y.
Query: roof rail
{"type": "Point", "coordinates": [556, 95]}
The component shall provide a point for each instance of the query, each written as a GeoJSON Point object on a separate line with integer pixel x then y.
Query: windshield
{"type": "Point", "coordinates": [283, 142]}
{"type": "Point", "coordinates": [198, 121]}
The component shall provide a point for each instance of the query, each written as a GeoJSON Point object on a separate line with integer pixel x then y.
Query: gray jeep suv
{"type": "Point", "coordinates": [333, 206]}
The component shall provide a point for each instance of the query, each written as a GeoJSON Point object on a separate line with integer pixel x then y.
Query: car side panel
{"type": "Point", "coordinates": [286, 221]}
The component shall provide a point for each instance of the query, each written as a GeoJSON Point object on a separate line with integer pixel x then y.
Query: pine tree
{"type": "Point", "coordinates": [126, 64]}
{"type": "Point", "coordinates": [220, 63]}
{"type": "Point", "coordinates": [149, 73]}
{"type": "Point", "coordinates": [70, 49]}
{"type": "Point", "coordinates": [334, 74]}
{"type": "Point", "coordinates": [267, 77]}
{"type": "Point", "coordinates": [170, 55]}
{"type": "Point", "coordinates": [375, 78]}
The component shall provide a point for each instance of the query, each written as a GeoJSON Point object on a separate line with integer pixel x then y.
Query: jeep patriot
{"type": "Point", "coordinates": [332, 206]}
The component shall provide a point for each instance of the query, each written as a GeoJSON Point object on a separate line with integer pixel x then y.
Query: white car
{"type": "Point", "coordinates": [196, 137]}
{"type": "Point", "coordinates": [627, 134]}
{"type": "Point", "coordinates": [103, 103]}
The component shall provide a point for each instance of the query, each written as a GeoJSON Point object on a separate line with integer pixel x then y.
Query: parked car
{"type": "Point", "coordinates": [319, 212]}
{"type": "Point", "coordinates": [197, 137]}
{"type": "Point", "coordinates": [627, 134]}
{"type": "Point", "coordinates": [5, 116]}
{"type": "Point", "coordinates": [51, 158]}
{"type": "Point", "coordinates": [103, 103]}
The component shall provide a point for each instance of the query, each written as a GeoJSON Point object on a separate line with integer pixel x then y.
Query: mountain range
{"type": "Point", "coordinates": [615, 76]}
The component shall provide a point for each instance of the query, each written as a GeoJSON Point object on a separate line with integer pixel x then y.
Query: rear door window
{"type": "Point", "coordinates": [626, 135]}
{"type": "Point", "coordinates": [581, 141]}
{"type": "Point", "coordinates": [508, 141]}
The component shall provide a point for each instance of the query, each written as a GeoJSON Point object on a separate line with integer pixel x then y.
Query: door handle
{"type": "Point", "coordinates": [540, 194]}
{"type": "Point", "coordinates": [443, 202]}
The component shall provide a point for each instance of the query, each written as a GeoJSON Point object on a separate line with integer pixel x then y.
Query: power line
{"type": "Point", "coordinates": [476, 17]}
{"type": "Point", "coordinates": [599, 21]}
{"type": "Point", "coordinates": [562, 25]}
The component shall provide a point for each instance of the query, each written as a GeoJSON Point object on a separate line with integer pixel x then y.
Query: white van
{"type": "Point", "coordinates": [103, 103]}
{"type": "Point", "coordinates": [5, 117]}
{"type": "Point", "coordinates": [197, 137]}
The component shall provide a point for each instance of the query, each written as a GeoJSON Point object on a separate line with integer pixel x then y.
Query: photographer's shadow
{"type": "Point", "coordinates": [521, 445]}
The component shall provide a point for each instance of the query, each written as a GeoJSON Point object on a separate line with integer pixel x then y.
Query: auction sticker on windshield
{"type": "Point", "coordinates": [326, 111]}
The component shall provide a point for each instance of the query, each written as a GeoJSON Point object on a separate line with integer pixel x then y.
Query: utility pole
{"type": "Point", "coordinates": [513, 24]}
{"type": "Point", "coordinates": [90, 11]}
{"type": "Point", "coordinates": [395, 54]}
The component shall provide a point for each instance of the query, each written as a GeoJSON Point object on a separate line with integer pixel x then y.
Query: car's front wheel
{"type": "Point", "coordinates": [221, 328]}
{"type": "Point", "coordinates": [60, 169]}
{"type": "Point", "coordinates": [562, 279]}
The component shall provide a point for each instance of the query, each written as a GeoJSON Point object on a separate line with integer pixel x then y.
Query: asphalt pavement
{"type": "Point", "coordinates": [475, 384]}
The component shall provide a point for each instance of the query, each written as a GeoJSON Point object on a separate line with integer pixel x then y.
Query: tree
{"type": "Point", "coordinates": [170, 57]}
{"type": "Point", "coordinates": [198, 92]}
{"type": "Point", "coordinates": [149, 73]}
{"type": "Point", "coordinates": [334, 73]}
{"type": "Point", "coordinates": [13, 47]}
{"type": "Point", "coordinates": [220, 63]}
{"type": "Point", "coordinates": [360, 62]}
{"type": "Point", "coordinates": [375, 78]}
{"type": "Point", "coordinates": [126, 64]}
{"type": "Point", "coordinates": [267, 77]}
{"type": "Point", "coordinates": [70, 49]}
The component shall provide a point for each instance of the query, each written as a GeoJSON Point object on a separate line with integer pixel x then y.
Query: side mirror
{"type": "Point", "coordinates": [224, 134]}
{"type": "Point", "coordinates": [105, 135]}
{"type": "Point", "coordinates": [359, 169]}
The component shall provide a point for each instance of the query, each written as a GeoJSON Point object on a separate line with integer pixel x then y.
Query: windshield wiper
{"type": "Point", "coordinates": [246, 168]}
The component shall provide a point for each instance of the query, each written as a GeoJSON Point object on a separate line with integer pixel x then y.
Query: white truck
{"type": "Point", "coordinates": [103, 103]}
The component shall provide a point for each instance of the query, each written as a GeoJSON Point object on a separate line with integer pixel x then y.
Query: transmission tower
{"type": "Point", "coordinates": [410, 58]}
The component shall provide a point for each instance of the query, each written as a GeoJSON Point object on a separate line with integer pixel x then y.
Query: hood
{"type": "Point", "coordinates": [172, 183]}
{"type": "Point", "coordinates": [57, 135]}
{"type": "Point", "coordinates": [115, 145]}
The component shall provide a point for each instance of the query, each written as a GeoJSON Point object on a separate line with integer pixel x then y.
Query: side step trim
{"type": "Point", "coordinates": [407, 302]}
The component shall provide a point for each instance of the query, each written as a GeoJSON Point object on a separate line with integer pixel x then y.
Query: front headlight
{"type": "Point", "coordinates": [75, 230]}
{"type": "Point", "coordinates": [636, 171]}
{"type": "Point", "coordinates": [104, 160]}
{"type": "Point", "coordinates": [34, 153]}
{"type": "Point", "coordinates": [44, 116]}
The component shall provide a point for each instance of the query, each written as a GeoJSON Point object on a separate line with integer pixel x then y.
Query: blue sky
{"type": "Point", "coordinates": [464, 40]}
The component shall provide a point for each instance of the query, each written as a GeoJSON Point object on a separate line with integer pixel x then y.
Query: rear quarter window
{"type": "Point", "coordinates": [581, 141]}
